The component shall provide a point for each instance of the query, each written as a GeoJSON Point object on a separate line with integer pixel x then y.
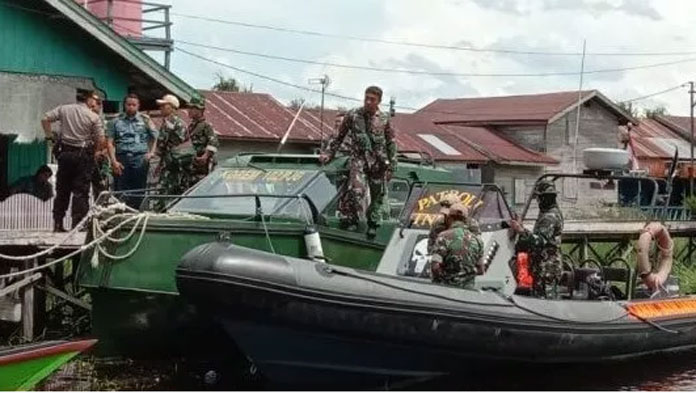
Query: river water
{"type": "Point", "coordinates": [660, 372]}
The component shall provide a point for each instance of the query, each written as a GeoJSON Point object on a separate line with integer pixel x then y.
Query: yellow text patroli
{"type": "Point", "coordinates": [427, 210]}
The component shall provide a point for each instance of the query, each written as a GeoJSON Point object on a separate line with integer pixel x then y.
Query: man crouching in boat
{"type": "Point", "coordinates": [457, 252]}
{"type": "Point", "coordinates": [544, 242]}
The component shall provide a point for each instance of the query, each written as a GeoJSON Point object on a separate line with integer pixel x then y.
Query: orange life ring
{"type": "Point", "coordinates": [654, 278]}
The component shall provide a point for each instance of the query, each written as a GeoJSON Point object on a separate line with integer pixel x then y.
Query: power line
{"type": "Point", "coordinates": [435, 73]}
{"type": "Point", "coordinates": [266, 77]}
{"type": "Point", "coordinates": [657, 93]}
{"type": "Point", "coordinates": [426, 45]}
{"type": "Point", "coordinates": [342, 97]}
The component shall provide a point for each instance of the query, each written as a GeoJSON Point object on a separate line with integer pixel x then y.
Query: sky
{"type": "Point", "coordinates": [556, 26]}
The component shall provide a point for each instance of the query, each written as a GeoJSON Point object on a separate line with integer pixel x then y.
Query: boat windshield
{"type": "Point", "coordinates": [231, 191]}
{"type": "Point", "coordinates": [486, 203]}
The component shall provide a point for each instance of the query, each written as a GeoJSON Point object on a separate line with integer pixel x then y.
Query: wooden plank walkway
{"type": "Point", "coordinates": [621, 230]}
{"type": "Point", "coordinates": [40, 239]}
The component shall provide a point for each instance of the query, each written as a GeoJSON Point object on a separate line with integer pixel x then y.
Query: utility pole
{"type": "Point", "coordinates": [577, 117]}
{"type": "Point", "coordinates": [691, 118]}
{"type": "Point", "coordinates": [324, 81]}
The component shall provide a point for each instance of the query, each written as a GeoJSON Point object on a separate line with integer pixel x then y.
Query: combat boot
{"type": "Point", "coordinates": [371, 232]}
{"type": "Point", "coordinates": [58, 226]}
{"type": "Point", "coordinates": [347, 225]}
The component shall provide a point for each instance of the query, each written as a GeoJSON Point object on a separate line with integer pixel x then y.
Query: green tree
{"type": "Point", "coordinates": [230, 84]}
{"type": "Point", "coordinates": [629, 108]}
{"type": "Point", "coordinates": [655, 112]}
{"type": "Point", "coordinates": [295, 103]}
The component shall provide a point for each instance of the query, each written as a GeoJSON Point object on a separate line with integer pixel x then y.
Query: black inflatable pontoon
{"type": "Point", "coordinates": [301, 319]}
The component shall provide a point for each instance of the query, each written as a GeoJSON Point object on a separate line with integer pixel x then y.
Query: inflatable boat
{"type": "Point", "coordinates": [303, 320]}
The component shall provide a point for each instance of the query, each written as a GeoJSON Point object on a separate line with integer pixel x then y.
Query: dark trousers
{"type": "Point", "coordinates": [134, 176]}
{"type": "Point", "coordinates": [75, 166]}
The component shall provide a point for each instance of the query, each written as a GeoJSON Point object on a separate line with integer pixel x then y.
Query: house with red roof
{"type": "Point", "coordinates": [256, 122]}
{"type": "Point", "coordinates": [544, 124]}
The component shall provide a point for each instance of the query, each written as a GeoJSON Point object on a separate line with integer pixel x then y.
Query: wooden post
{"type": "Point", "coordinates": [28, 306]}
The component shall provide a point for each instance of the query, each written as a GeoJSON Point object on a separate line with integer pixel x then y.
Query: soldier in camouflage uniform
{"type": "Point", "coordinates": [372, 160]}
{"type": "Point", "coordinates": [102, 165]}
{"type": "Point", "coordinates": [440, 224]}
{"type": "Point", "coordinates": [175, 149]}
{"type": "Point", "coordinates": [204, 140]}
{"type": "Point", "coordinates": [457, 252]}
{"type": "Point", "coordinates": [544, 242]}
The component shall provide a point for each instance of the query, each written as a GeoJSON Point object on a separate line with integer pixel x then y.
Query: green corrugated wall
{"type": "Point", "coordinates": [32, 42]}
{"type": "Point", "coordinates": [24, 159]}
{"type": "Point", "coordinates": [37, 43]}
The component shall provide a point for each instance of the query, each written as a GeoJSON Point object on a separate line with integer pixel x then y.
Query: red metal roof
{"type": "Point", "coordinates": [497, 147]}
{"type": "Point", "coordinates": [536, 108]}
{"type": "Point", "coordinates": [680, 124]}
{"type": "Point", "coordinates": [519, 109]}
{"type": "Point", "coordinates": [411, 129]}
{"type": "Point", "coordinates": [649, 138]}
{"type": "Point", "coordinates": [255, 116]}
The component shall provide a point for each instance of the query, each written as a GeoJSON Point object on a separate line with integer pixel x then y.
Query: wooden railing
{"type": "Point", "coordinates": [28, 213]}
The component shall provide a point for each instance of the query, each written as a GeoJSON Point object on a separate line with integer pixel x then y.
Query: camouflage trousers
{"type": "Point", "coordinates": [352, 201]}
{"type": "Point", "coordinates": [174, 180]}
{"type": "Point", "coordinates": [100, 178]}
{"type": "Point", "coordinates": [462, 279]}
{"type": "Point", "coordinates": [199, 172]}
{"type": "Point", "coordinates": [546, 270]}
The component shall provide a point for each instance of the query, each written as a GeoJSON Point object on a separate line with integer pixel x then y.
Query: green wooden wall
{"type": "Point", "coordinates": [36, 43]}
{"type": "Point", "coordinates": [33, 42]}
{"type": "Point", "coordinates": [24, 159]}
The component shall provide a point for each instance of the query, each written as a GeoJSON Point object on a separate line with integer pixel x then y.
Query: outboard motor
{"type": "Point", "coordinates": [312, 240]}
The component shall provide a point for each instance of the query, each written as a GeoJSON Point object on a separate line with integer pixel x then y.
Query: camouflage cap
{"type": "Point", "coordinates": [447, 201]}
{"type": "Point", "coordinates": [197, 102]}
{"type": "Point", "coordinates": [546, 187]}
{"type": "Point", "coordinates": [458, 211]}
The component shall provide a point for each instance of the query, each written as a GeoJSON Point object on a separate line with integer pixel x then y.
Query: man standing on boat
{"type": "Point", "coordinates": [174, 147]}
{"type": "Point", "coordinates": [544, 242]}
{"type": "Point", "coordinates": [204, 140]}
{"type": "Point", "coordinates": [80, 131]}
{"type": "Point", "coordinates": [372, 160]}
{"type": "Point", "coordinates": [457, 252]}
{"type": "Point", "coordinates": [132, 138]}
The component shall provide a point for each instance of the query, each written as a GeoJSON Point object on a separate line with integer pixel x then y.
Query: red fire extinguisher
{"type": "Point", "coordinates": [524, 277]}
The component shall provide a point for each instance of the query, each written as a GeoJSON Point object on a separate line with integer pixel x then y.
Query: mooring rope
{"type": "Point", "coordinates": [95, 211]}
{"type": "Point", "coordinates": [122, 211]}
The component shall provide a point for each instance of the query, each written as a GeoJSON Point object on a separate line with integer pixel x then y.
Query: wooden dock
{"type": "Point", "coordinates": [20, 298]}
{"type": "Point", "coordinates": [597, 231]}
{"type": "Point", "coordinates": [40, 239]}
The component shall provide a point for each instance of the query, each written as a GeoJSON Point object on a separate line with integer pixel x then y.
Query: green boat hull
{"type": "Point", "coordinates": [22, 368]}
{"type": "Point", "coordinates": [136, 305]}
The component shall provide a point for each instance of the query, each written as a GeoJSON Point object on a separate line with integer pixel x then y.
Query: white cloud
{"type": "Point", "coordinates": [553, 25]}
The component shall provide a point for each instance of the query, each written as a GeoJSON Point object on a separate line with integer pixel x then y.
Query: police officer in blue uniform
{"type": "Point", "coordinates": [131, 137]}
